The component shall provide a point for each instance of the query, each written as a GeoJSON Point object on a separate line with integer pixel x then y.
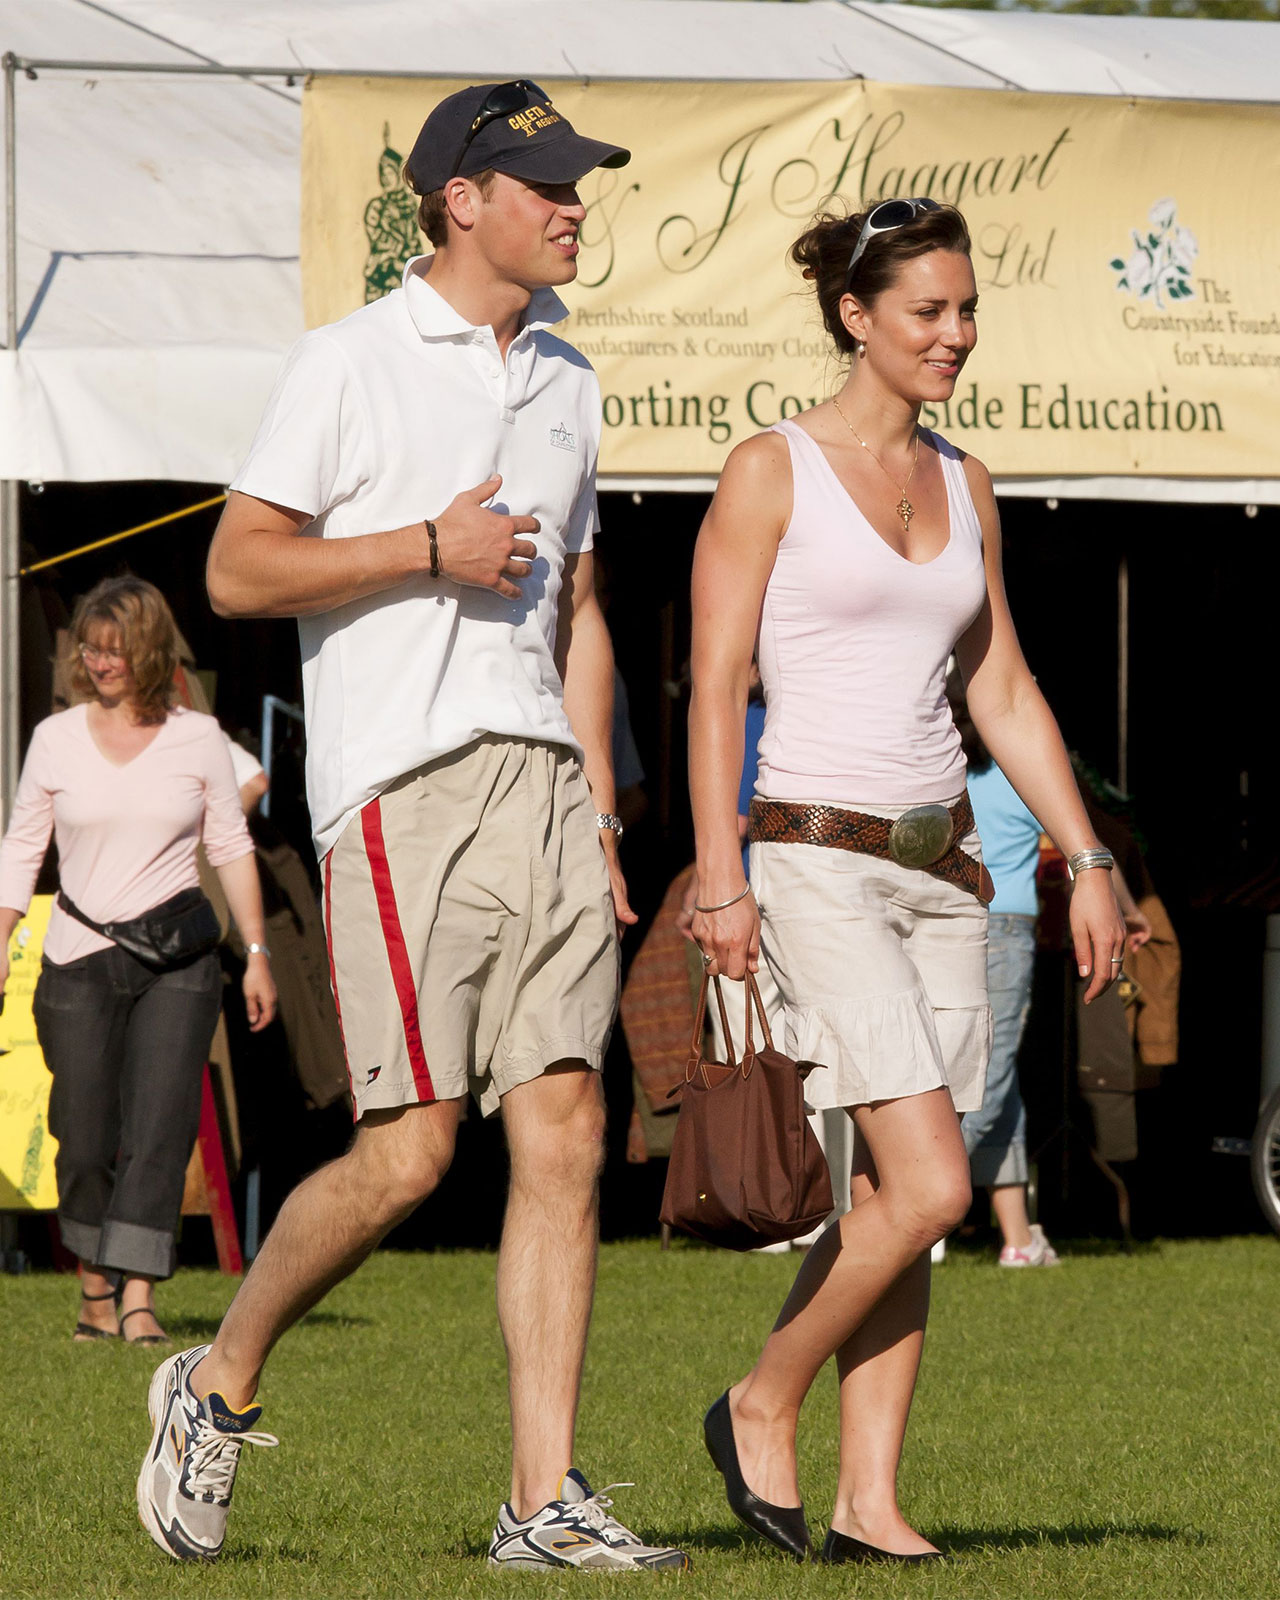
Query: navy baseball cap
{"type": "Point", "coordinates": [511, 127]}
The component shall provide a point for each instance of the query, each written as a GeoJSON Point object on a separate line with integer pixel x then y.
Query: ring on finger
{"type": "Point", "coordinates": [706, 962]}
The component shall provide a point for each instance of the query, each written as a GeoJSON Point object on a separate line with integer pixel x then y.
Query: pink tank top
{"type": "Point", "coordinates": [854, 641]}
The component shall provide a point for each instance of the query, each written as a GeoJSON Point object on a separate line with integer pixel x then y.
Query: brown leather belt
{"type": "Point", "coordinates": [924, 838]}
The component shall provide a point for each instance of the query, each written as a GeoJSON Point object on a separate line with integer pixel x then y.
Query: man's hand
{"type": "Point", "coordinates": [480, 547]}
{"type": "Point", "coordinates": [623, 914]}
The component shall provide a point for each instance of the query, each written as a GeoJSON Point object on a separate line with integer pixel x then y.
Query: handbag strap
{"type": "Point", "coordinates": [73, 910]}
{"type": "Point", "coordinates": [699, 1018]}
{"type": "Point", "coordinates": [756, 1004]}
{"type": "Point", "coordinates": [753, 1004]}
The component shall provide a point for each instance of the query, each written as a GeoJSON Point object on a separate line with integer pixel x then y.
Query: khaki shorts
{"type": "Point", "coordinates": [470, 925]}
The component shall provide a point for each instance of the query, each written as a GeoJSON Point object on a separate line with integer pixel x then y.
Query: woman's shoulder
{"type": "Point", "coordinates": [195, 727]}
{"type": "Point", "coordinates": [68, 723]}
{"type": "Point", "coordinates": [976, 474]}
{"type": "Point", "coordinates": [759, 463]}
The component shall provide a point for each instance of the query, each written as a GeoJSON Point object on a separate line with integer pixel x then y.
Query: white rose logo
{"type": "Point", "coordinates": [1162, 257]}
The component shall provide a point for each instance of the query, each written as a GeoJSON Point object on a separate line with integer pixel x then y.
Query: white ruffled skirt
{"type": "Point", "coordinates": [882, 970]}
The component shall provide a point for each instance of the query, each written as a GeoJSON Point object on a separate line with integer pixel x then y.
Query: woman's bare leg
{"type": "Point", "coordinates": [923, 1193]}
{"type": "Point", "coordinates": [877, 1366]}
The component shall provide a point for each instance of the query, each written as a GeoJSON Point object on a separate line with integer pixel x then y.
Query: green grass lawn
{"type": "Point", "coordinates": [1106, 1430]}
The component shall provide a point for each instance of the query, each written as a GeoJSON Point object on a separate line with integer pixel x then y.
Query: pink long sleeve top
{"type": "Point", "coordinates": [127, 835]}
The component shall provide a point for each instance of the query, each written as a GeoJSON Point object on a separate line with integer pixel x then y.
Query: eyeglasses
{"type": "Point", "coordinates": [90, 652]}
{"type": "Point", "coordinates": [889, 214]}
{"type": "Point", "coordinates": [500, 102]}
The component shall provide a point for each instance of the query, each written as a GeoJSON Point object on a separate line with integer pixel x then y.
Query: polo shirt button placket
{"type": "Point", "coordinates": [505, 412]}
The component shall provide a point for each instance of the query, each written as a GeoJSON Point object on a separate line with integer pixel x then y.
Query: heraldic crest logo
{"type": "Point", "coordinates": [390, 224]}
{"type": "Point", "coordinates": [1162, 258]}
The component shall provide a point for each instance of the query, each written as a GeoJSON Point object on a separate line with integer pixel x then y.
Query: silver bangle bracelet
{"type": "Point", "coordinates": [1084, 859]}
{"type": "Point", "coordinates": [725, 904]}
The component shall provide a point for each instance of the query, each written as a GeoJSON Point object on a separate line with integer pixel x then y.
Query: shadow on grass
{"type": "Point", "coordinates": [957, 1540]}
{"type": "Point", "coordinates": [201, 1328]}
{"type": "Point", "coordinates": [1095, 1248]}
{"type": "Point", "coordinates": [248, 1555]}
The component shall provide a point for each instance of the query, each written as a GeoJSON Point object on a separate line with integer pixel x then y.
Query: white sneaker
{"type": "Point", "coordinates": [1039, 1253]}
{"type": "Point", "coordinates": [938, 1254]}
{"type": "Point", "coordinates": [576, 1531]}
{"type": "Point", "coordinates": [184, 1488]}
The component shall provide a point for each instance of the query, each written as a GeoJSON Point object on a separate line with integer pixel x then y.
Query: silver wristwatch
{"type": "Point", "coordinates": [606, 819]}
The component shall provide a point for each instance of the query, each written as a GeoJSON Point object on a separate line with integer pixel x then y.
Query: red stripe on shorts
{"type": "Point", "coordinates": [397, 952]}
{"type": "Point", "coordinates": [333, 971]}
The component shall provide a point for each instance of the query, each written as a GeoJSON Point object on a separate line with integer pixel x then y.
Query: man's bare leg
{"type": "Point", "coordinates": [547, 1268]}
{"type": "Point", "coordinates": [325, 1229]}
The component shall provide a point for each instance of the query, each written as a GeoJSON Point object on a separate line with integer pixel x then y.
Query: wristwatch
{"type": "Point", "coordinates": [257, 950]}
{"type": "Point", "coordinates": [606, 819]}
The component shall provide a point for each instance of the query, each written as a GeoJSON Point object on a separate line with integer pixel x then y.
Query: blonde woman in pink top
{"type": "Point", "coordinates": [855, 550]}
{"type": "Point", "coordinates": [129, 785]}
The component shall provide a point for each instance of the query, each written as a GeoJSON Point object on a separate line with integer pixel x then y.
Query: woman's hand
{"type": "Point", "coordinates": [730, 939]}
{"type": "Point", "coordinates": [259, 992]}
{"type": "Point", "coordinates": [1097, 931]}
{"type": "Point", "coordinates": [684, 916]}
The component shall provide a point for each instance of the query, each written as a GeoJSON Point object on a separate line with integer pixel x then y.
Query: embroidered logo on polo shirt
{"type": "Point", "coordinates": [563, 439]}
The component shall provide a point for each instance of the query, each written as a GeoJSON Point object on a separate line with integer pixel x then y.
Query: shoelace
{"type": "Point", "coordinates": [215, 1456]}
{"type": "Point", "coordinates": [595, 1513]}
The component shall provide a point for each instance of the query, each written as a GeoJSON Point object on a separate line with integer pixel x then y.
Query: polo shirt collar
{"type": "Point", "coordinates": [435, 318]}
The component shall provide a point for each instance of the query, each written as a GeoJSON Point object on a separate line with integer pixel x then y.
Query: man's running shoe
{"type": "Point", "coordinates": [576, 1531]}
{"type": "Point", "coordinates": [184, 1488]}
{"type": "Point", "coordinates": [1039, 1253]}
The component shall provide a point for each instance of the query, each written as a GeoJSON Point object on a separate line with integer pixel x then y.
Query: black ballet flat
{"type": "Point", "coordinates": [781, 1525]}
{"type": "Point", "coordinates": [839, 1548]}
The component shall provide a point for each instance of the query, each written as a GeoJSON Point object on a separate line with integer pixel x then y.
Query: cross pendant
{"type": "Point", "coordinates": [906, 511]}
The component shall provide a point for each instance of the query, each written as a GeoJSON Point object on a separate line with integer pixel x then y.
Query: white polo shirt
{"type": "Point", "coordinates": [376, 422]}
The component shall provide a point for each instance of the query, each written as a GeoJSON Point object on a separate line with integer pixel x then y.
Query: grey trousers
{"type": "Point", "coordinates": [126, 1046]}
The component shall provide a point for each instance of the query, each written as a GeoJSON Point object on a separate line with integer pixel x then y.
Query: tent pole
{"type": "Point", "coordinates": [1122, 686]}
{"type": "Point", "coordinates": [10, 543]}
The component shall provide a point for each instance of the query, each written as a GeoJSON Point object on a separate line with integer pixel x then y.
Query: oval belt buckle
{"type": "Point", "coordinates": [921, 836]}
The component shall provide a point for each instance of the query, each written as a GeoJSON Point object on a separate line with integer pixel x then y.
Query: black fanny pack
{"type": "Point", "coordinates": [169, 935]}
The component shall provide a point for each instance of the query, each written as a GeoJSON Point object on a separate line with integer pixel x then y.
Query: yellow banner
{"type": "Point", "coordinates": [27, 1147]}
{"type": "Point", "coordinates": [1130, 304]}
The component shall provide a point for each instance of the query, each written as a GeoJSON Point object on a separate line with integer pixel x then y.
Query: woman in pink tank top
{"type": "Point", "coordinates": [853, 551]}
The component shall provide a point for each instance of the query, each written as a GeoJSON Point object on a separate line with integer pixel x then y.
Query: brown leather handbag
{"type": "Point", "coordinates": [746, 1168]}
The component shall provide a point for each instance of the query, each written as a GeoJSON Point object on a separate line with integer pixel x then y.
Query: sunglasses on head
{"type": "Point", "coordinates": [889, 214]}
{"type": "Point", "coordinates": [501, 101]}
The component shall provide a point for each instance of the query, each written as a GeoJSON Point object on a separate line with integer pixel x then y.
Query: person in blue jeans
{"type": "Point", "coordinates": [996, 1134]}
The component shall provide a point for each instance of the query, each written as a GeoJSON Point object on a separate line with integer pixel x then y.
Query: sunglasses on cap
{"type": "Point", "coordinates": [501, 101]}
{"type": "Point", "coordinates": [889, 214]}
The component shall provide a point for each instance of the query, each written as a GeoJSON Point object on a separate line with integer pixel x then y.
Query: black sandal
{"type": "Point", "coordinates": [85, 1331]}
{"type": "Point", "coordinates": [143, 1338]}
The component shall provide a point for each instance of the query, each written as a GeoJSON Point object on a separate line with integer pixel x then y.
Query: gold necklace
{"type": "Point", "coordinates": [904, 508]}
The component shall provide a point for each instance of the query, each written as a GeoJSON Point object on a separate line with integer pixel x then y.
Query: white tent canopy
{"type": "Point", "coordinates": [157, 282]}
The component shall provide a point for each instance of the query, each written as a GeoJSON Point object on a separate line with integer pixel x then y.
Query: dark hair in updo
{"type": "Point", "coordinates": [824, 250]}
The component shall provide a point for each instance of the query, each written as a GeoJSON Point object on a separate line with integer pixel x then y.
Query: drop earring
{"type": "Point", "coordinates": [862, 348]}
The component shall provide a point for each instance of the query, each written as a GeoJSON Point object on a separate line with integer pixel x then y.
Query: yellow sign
{"type": "Point", "coordinates": [1130, 304]}
{"type": "Point", "coordinates": [26, 1146]}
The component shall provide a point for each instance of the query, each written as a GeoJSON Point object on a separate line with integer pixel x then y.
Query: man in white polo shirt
{"type": "Point", "coordinates": [421, 495]}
